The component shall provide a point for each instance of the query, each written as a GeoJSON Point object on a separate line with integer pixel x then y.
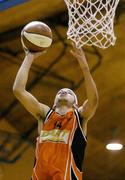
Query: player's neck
{"type": "Point", "coordinates": [62, 110]}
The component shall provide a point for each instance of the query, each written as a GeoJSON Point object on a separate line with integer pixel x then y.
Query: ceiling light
{"type": "Point", "coordinates": [114, 146]}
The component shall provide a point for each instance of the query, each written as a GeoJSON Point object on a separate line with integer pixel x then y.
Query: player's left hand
{"type": "Point", "coordinates": [78, 53]}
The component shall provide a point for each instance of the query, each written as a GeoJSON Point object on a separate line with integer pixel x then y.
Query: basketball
{"type": "Point", "coordinates": [36, 36]}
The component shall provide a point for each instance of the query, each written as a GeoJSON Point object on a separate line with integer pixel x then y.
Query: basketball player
{"type": "Point", "coordinates": [63, 128]}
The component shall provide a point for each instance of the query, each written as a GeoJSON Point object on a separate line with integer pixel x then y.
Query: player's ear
{"type": "Point", "coordinates": [54, 106]}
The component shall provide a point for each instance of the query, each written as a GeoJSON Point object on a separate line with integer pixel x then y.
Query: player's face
{"type": "Point", "coordinates": [64, 96]}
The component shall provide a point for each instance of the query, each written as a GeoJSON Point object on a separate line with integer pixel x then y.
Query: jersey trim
{"type": "Point", "coordinates": [69, 153]}
{"type": "Point", "coordinates": [48, 115]}
{"type": "Point", "coordinates": [78, 145]}
{"type": "Point", "coordinates": [73, 175]}
{"type": "Point", "coordinates": [78, 118]}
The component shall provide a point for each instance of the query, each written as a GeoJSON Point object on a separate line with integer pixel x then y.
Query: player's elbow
{"type": "Point", "coordinates": [17, 91]}
{"type": "Point", "coordinates": [94, 103]}
{"type": "Point", "coordinates": [93, 108]}
{"type": "Point", "coordinates": [96, 100]}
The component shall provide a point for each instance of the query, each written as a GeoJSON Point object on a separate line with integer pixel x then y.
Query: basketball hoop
{"type": "Point", "coordinates": [91, 22]}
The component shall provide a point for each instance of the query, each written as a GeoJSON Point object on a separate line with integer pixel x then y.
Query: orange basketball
{"type": "Point", "coordinates": [36, 36]}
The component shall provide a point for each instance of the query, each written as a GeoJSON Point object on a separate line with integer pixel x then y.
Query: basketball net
{"type": "Point", "coordinates": [91, 22]}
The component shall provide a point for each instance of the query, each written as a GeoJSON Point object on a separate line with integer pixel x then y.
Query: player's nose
{"type": "Point", "coordinates": [63, 92]}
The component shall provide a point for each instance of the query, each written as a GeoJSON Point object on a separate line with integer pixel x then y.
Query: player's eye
{"type": "Point", "coordinates": [59, 92]}
{"type": "Point", "coordinates": [70, 92]}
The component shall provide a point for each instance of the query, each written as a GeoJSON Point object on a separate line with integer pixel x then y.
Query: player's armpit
{"type": "Point", "coordinates": [87, 110]}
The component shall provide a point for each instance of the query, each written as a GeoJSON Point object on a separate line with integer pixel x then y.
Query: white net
{"type": "Point", "coordinates": [91, 22]}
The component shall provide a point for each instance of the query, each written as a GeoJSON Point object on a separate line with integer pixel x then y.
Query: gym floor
{"type": "Point", "coordinates": [18, 129]}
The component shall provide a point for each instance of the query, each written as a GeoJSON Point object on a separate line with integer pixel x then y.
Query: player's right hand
{"type": "Point", "coordinates": [33, 55]}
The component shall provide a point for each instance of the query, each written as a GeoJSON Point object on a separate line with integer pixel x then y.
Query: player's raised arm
{"type": "Point", "coordinates": [38, 110]}
{"type": "Point", "coordinates": [89, 107]}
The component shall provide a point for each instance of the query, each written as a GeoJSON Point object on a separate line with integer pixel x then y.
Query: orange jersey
{"type": "Point", "coordinates": [60, 148]}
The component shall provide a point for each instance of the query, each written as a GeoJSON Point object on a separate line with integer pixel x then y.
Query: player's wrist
{"type": "Point", "coordinates": [29, 56]}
